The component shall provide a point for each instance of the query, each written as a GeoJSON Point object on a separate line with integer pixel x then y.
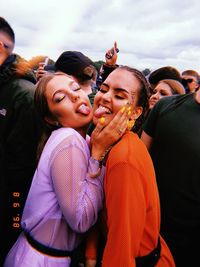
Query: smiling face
{"type": "Point", "coordinates": [119, 89]}
{"type": "Point", "coordinates": [160, 91]}
{"type": "Point", "coordinates": [68, 103]}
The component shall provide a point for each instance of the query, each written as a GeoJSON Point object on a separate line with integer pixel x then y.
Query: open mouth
{"type": "Point", "coordinates": [101, 110]}
{"type": "Point", "coordinates": [83, 109]}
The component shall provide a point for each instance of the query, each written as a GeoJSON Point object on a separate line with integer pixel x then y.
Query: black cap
{"type": "Point", "coordinates": [72, 62]}
{"type": "Point", "coordinates": [167, 72]}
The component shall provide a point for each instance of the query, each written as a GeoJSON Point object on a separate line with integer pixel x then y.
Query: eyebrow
{"type": "Point", "coordinates": [117, 89]}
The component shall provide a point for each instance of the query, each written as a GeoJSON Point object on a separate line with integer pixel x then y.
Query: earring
{"type": "Point", "coordinates": [57, 123]}
{"type": "Point", "coordinates": [130, 124]}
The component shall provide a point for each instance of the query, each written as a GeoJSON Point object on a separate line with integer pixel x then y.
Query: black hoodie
{"type": "Point", "coordinates": [19, 133]}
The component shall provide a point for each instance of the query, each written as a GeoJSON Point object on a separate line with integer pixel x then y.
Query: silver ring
{"type": "Point", "coordinates": [119, 131]}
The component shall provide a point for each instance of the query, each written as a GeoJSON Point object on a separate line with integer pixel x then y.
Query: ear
{"type": "Point", "coordinates": [136, 113]}
{"type": "Point", "coordinates": [1, 47]}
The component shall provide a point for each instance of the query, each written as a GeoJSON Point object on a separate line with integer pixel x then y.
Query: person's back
{"type": "Point", "coordinates": [18, 136]}
{"type": "Point", "coordinates": [173, 130]}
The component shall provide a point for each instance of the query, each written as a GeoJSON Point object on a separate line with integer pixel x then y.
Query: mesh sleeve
{"type": "Point", "coordinates": [79, 197]}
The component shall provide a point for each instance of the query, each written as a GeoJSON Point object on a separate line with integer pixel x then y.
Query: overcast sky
{"type": "Point", "coordinates": [149, 33]}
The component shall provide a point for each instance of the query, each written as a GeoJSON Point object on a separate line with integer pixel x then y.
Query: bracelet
{"type": "Point", "coordinates": [100, 161]}
{"type": "Point", "coordinates": [103, 156]}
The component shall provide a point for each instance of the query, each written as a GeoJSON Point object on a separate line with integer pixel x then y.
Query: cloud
{"type": "Point", "coordinates": [149, 33]}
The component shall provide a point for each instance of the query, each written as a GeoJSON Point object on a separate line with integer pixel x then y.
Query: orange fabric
{"type": "Point", "coordinates": [132, 205]}
{"type": "Point", "coordinates": [92, 243]}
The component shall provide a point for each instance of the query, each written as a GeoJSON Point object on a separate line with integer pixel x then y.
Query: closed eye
{"type": "Point", "coordinates": [103, 90]}
{"type": "Point", "coordinates": [120, 97]}
{"type": "Point", "coordinates": [77, 89]}
{"type": "Point", "coordinates": [59, 97]}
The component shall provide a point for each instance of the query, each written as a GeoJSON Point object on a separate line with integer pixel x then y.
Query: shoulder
{"type": "Point", "coordinates": [128, 149]}
{"type": "Point", "coordinates": [65, 139]}
{"type": "Point", "coordinates": [66, 136]}
{"type": "Point", "coordinates": [130, 156]}
{"type": "Point", "coordinates": [23, 85]}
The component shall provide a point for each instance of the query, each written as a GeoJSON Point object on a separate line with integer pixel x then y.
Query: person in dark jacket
{"type": "Point", "coordinates": [19, 133]}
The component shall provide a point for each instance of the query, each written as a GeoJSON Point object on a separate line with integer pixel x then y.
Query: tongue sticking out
{"type": "Point", "coordinates": [84, 109]}
{"type": "Point", "coordinates": [99, 112]}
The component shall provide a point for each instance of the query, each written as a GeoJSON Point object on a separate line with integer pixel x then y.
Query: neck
{"type": "Point", "coordinates": [82, 132]}
{"type": "Point", "coordinates": [3, 57]}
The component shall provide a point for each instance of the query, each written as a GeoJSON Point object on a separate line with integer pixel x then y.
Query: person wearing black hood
{"type": "Point", "coordinates": [19, 133]}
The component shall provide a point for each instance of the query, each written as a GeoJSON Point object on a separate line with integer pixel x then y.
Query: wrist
{"type": "Point", "coordinates": [108, 65]}
{"type": "Point", "coordinates": [101, 156]}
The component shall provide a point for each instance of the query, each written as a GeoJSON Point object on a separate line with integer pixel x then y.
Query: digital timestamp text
{"type": "Point", "coordinates": [16, 207]}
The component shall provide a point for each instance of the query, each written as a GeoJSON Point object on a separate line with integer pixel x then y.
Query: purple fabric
{"type": "Point", "coordinates": [63, 201]}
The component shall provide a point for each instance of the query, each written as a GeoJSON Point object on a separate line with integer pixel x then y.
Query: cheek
{"type": "Point", "coordinates": [97, 99]}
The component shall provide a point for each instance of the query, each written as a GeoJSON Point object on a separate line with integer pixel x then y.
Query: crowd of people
{"type": "Point", "coordinates": [98, 167]}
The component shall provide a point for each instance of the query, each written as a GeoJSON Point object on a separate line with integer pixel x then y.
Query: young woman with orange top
{"type": "Point", "coordinates": [131, 213]}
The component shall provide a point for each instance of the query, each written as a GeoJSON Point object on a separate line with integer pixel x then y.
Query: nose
{"type": "Point", "coordinates": [156, 95]}
{"type": "Point", "coordinates": [107, 96]}
{"type": "Point", "coordinates": [74, 96]}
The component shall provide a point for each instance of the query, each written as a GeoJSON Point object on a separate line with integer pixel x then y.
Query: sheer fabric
{"type": "Point", "coordinates": [63, 201]}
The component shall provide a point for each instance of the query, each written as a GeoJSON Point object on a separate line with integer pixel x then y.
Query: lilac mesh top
{"type": "Point", "coordinates": [63, 200]}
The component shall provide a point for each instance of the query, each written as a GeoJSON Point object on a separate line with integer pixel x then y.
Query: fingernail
{"type": "Point", "coordinates": [122, 109]}
{"type": "Point", "coordinates": [129, 109]}
{"type": "Point", "coordinates": [102, 120]}
{"type": "Point", "coordinates": [129, 112]}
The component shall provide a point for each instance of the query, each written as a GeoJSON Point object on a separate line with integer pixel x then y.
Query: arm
{"type": "Point", "coordinates": [92, 246]}
{"type": "Point", "coordinates": [111, 59]}
{"type": "Point", "coordinates": [147, 140]}
{"type": "Point", "coordinates": [126, 209]}
{"type": "Point", "coordinates": [79, 197]}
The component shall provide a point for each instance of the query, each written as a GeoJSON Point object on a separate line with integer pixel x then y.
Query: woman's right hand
{"type": "Point", "coordinates": [105, 135]}
{"type": "Point", "coordinates": [40, 72]}
{"type": "Point", "coordinates": [111, 55]}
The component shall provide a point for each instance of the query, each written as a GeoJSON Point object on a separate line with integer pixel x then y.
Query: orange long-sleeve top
{"type": "Point", "coordinates": [132, 206]}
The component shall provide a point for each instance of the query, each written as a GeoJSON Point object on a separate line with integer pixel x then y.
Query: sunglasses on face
{"type": "Point", "coordinates": [185, 81]}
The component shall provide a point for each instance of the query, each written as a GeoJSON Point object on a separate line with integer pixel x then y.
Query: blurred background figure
{"type": "Point", "coordinates": [164, 88]}
{"type": "Point", "coordinates": [19, 135]}
{"type": "Point", "coordinates": [167, 72]}
{"type": "Point", "coordinates": [44, 61]}
{"type": "Point", "coordinates": [190, 80]}
{"type": "Point", "coordinates": [171, 133]}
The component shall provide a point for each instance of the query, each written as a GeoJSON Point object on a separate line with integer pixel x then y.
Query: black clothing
{"type": "Point", "coordinates": [174, 125]}
{"type": "Point", "coordinates": [19, 135]}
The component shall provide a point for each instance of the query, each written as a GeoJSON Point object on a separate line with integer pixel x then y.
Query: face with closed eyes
{"type": "Point", "coordinates": [68, 103]}
{"type": "Point", "coordinates": [119, 89]}
{"type": "Point", "coordinates": [160, 91]}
